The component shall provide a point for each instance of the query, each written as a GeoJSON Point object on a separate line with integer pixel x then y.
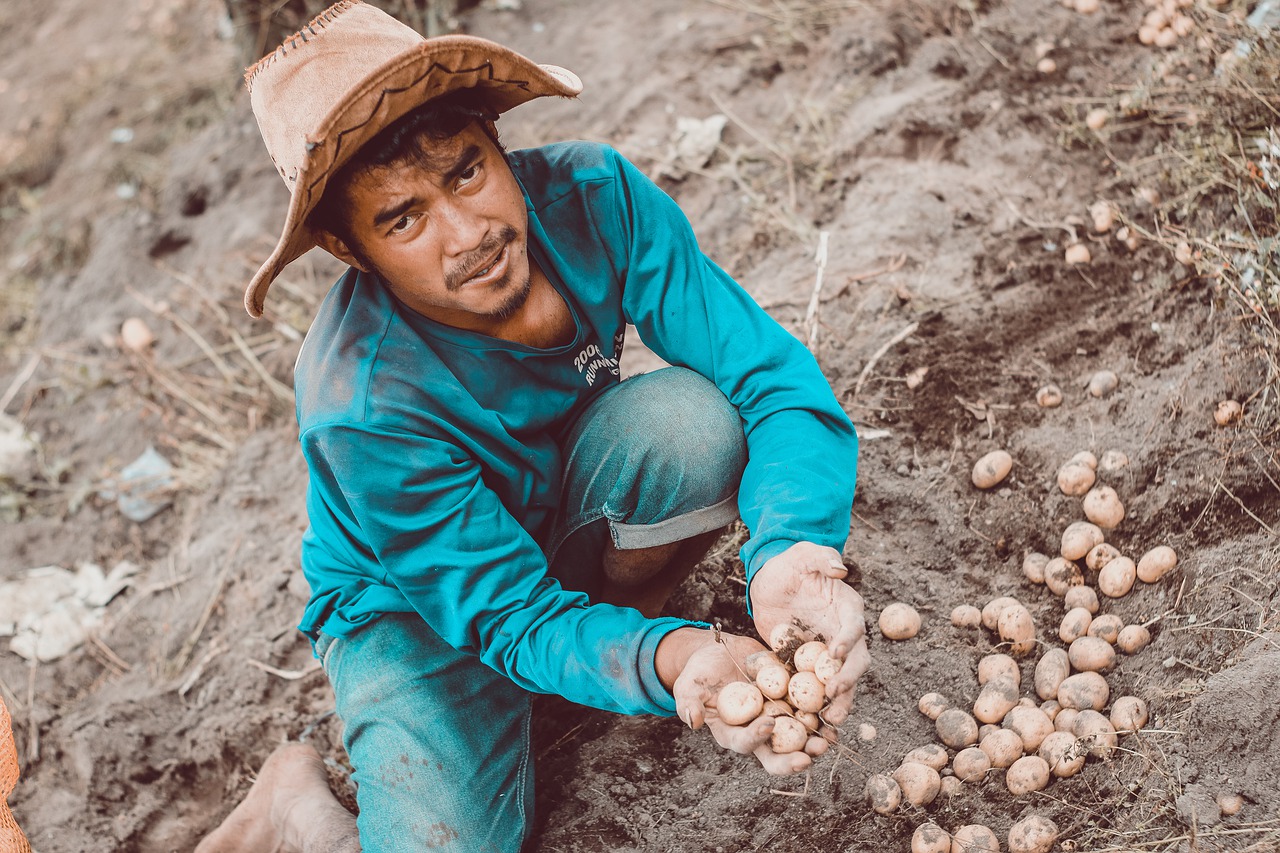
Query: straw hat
{"type": "Point", "coordinates": [341, 79]}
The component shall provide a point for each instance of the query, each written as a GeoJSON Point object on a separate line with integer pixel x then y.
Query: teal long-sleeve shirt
{"type": "Point", "coordinates": [434, 452]}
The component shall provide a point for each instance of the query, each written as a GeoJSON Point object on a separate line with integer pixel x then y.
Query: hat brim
{"type": "Point", "coordinates": [433, 68]}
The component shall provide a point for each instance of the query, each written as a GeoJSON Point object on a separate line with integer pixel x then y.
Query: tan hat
{"type": "Point", "coordinates": [341, 79]}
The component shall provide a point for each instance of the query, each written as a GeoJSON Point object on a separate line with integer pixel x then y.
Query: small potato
{"type": "Point", "coordinates": [826, 667]}
{"type": "Point", "coordinates": [1103, 213]}
{"type": "Point", "coordinates": [1030, 724]}
{"type": "Point", "coordinates": [1049, 397]}
{"type": "Point", "coordinates": [1106, 627]}
{"type": "Point", "coordinates": [1091, 654]}
{"type": "Point", "coordinates": [899, 621]}
{"type": "Point", "coordinates": [883, 793]}
{"type": "Point", "coordinates": [1113, 461]}
{"type": "Point", "coordinates": [966, 616]}
{"type": "Point", "coordinates": [807, 655]}
{"type": "Point", "coordinates": [1077, 253]}
{"type": "Point", "coordinates": [1099, 555]}
{"type": "Point", "coordinates": [1018, 629]}
{"type": "Point", "coordinates": [1078, 539]}
{"type": "Point", "coordinates": [866, 732]}
{"type": "Point", "coordinates": [758, 661]}
{"type": "Point", "coordinates": [1064, 754]}
{"type": "Point", "coordinates": [739, 703]}
{"type": "Point", "coordinates": [1051, 671]}
{"type": "Point", "coordinates": [991, 612]}
{"type": "Point", "coordinates": [1102, 384]}
{"type": "Point", "coordinates": [1129, 714]}
{"type": "Point", "coordinates": [1230, 804]}
{"type": "Point", "coordinates": [1075, 479]}
{"type": "Point", "coordinates": [806, 692]}
{"type": "Point", "coordinates": [1033, 567]}
{"type": "Point", "coordinates": [1034, 834]}
{"type": "Point", "coordinates": [1096, 732]}
{"type": "Point", "coordinates": [1227, 412]}
{"type": "Point", "coordinates": [789, 735]}
{"type": "Point", "coordinates": [919, 782]}
{"type": "Point", "coordinates": [990, 470]}
{"type": "Point", "coordinates": [777, 708]}
{"type": "Point", "coordinates": [1081, 596]}
{"type": "Point", "coordinates": [974, 838]}
{"type": "Point", "coordinates": [949, 787]}
{"type": "Point", "coordinates": [1084, 457]}
{"type": "Point", "coordinates": [971, 764]}
{"type": "Point", "coordinates": [1133, 639]}
{"type": "Point", "coordinates": [986, 729]}
{"type": "Point", "coordinates": [1066, 720]}
{"type": "Point", "coordinates": [930, 838]}
{"type": "Point", "coordinates": [933, 704]}
{"type": "Point", "coordinates": [1156, 563]}
{"type": "Point", "coordinates": [1103, 507]}
{"type": "Point", "coordinates": [772, 681]}
{"type": "Point", "coordinates": [995, 700]}
{"type": "Point", "coordinates": [1003, 747]}
{"type": "Point", "coordinates": [999, 666]}
{"type": "Point", "coordinates": [1061, 574]}
{"type": "Point", "coordinates": [1084, 691]}
{"type": "Point", "coordinates": [785, 638]}
{"type": "Point", "coordinates": [1029, 773]}
{"type": "Point", "coordinates": [1074, 625]}
{"type": "Point", "coordinates": [136, 335]}
{"type": "Point", "coordinates": [1117, 577]}
{"type": "Point", "coordinates": [956, 729]}
{"type": "Point", "coordinates": [1050, 707]}
{"type": "Point", "coordinates": [930, 755]}
{"type": "Point", "coordinates": [809, 720]}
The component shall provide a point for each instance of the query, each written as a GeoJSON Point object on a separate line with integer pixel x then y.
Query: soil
{"type": "Point", "coordinates": [946, 170]}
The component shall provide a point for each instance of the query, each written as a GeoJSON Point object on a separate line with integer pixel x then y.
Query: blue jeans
{"type": "Point", "coordinates": [439, 742]}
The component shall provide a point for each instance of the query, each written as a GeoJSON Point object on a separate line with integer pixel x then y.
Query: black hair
{"type": "Point", "coordinates": [402, 141]}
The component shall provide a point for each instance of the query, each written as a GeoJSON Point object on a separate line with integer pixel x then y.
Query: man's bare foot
{"type": "Point", "coordinates": [289, 809]}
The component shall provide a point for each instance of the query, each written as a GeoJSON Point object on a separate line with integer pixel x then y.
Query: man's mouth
{"type": "Point", "coordinates": [492, 271]}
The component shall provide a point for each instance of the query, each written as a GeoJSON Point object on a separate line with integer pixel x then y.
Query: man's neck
{"type": "Point", "coordinates": [544, 321]}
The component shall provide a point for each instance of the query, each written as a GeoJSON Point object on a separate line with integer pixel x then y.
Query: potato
{"type": "Point", "coordinates": [777, 708]}
{"type": "Point", "coordinates": [1050, 707]}
{"type": "Point", "coordinates": [998, 696]}
{"type": "Point", "coordinates": [1156, 563]}
{"type": "Point", "coordinates": [136, 335]}
{"type": "Point", "coordinates": [758, 661]}
{"type": "Point", "coordinates": [1227, 412]}
{"type": "Point", "coordinates": [1029, 773]}
{"type": "Point", "coordinates": [986, 729]}
{"type": "Point", "coordinates": [966, 616]}
{"type": "Point", "coordinates": [971, 764]}
{"type": "Point", "coordinates": [807, 655]}
{"type": "Point", "coordinates": [739, 703]}
{"type": "Point", "coordinates": [974, 838]}
{"type": "Point", "coordinates": [1103, 213]}
{"type": "Point", "coordinates": [1084, 690]}
{"type": "Point", "coordinates": [949, 787]}
{"type": "Point", "coordinates": [773, 680]}
{"type": "Point", "coordinates": [990, 470]}
{"type": "Point", "coordinates": [1003, 747]}
{"type": "Point", "coordinates": [809, 720]}
{"type": "Point", "coordinates": [1066, 720]}
{"type": "Point", "coordinates": [1051, 671]}
{"type": "Point", "coordinates": [1106, 627]}
{"type": "Point", "coordinates": [1113, 461]}
{"type": "Point", "coordinates": [991, 612]}
{"type": "Point", "coordinates": [1133, 639]}
{"type": "Point", "coordinates": [1033, 566]}
{"type": "Point", "coordinates": [1084, 457]}
{"type": "Point", "coordinates": [999, 666]}
{"type": "Point", "coordinates": [1103, 507]}
{"type": "Point", "coordinates": [1075, 478]}
{"type": "Point", "coordinates": [1091, 654]}
{"type": "Point", "coordinates": [866, 732]}
{"type": "Point", "coordinates": [1078, 539]}
{"type": "Point", "coordinates": [785, 638]}
{"type": "Point", "coordinates": [1064, 753]}
{"type": "Point", "coordinates": [930, 755]}
{"type": "Point", "coordinates": [806, 692]}
{"type": "Point", "coordinates": [789, 735]}
{"type": "Point", "coordinates": [1018, 629]}
{"type": "Point", "coordinates": [1030, 724]}
{"type": "Point", "coordinates": [1077, 253]}
{"type": "Point", "coordinates": [899, 621]}
{"type": "Point", "coordinates": [1049, 397]}
{"type": "Point", "coordinates": [1099, 555]}
{"type": "Point", "coordinates": [933, 704]}
{"type": "Point", "coordinates": [930, 838]}
{"type": "Point", "coordinates": [1230, 804]}
{"type": "Point", "coordinates": [1117, 577]}
{"type": "Point", "coordinates": [1075, 624]}
{"type": "Point", "coordinates": [919, 782]}
{"type": "Point", "coordinates": [1060, 575]}
{"type": "Point", "coordinates": [1034, 834]}
{"type": "Point", "coordinates": [826, 667]}
{"type": "Point", "coordinates": [1096, 732]}
{"type": "Point", "coordinates": [1102, 383]}
{"type": "Point", "coordinates": [956, 729]}
{"type": "Point", "coordinates": [1081, 596]}
{"type": "Point", "coordinates": [1128, 714]}
{"type": "Point", "coordinates": [883, 793]}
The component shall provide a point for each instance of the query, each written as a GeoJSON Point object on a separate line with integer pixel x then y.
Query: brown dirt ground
{"type": "Point", "coordinates": [921, 137]}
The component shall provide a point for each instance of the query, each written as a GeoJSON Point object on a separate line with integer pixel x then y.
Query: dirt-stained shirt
{"type": "Point", "coordinates": [434, 453]}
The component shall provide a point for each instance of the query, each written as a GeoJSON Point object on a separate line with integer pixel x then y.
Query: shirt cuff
{"type": "Point", "coordinates": [662, 702]}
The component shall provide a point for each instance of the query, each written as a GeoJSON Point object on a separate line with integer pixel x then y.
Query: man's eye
{"type": "Point", "coordinates": [469, 174]}
{"type": "Point", "coordinates": [403, 223]}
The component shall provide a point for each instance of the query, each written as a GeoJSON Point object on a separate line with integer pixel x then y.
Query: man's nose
{"type": "Point", "coordinates": [465, 229]}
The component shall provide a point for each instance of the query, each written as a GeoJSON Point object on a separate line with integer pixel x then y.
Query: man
{"type": "Point", "coordinates": [493, 513]}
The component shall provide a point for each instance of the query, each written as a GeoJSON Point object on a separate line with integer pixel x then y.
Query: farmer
{"type": "Point", "coordinates": [493, 513]}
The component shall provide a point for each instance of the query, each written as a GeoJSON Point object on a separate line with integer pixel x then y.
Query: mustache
{"type": "Point", "coordinates": [479, 257]}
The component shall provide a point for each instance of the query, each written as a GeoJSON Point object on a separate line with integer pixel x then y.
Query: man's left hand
{"type": "Point", "coordinates": [805, 587]}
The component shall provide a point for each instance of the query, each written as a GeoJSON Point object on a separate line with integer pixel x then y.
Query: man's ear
{"type": "Point", "coordinates": [337, 247]}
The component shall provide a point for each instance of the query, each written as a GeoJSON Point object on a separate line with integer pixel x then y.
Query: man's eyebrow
{"type": "Point", "coordinates": [391, 214]}
{"type": "Point", "coordinates": [460, 165]}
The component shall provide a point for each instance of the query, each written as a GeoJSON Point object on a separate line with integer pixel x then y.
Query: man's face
{"type": "Point", "coordinates": [446, 232]}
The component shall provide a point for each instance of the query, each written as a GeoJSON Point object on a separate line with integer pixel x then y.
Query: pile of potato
{"type": "Point", "coordinates": [1034, 834]}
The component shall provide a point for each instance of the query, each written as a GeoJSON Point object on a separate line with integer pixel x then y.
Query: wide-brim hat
{"type": "Point", "coordinates": [337, 82]}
